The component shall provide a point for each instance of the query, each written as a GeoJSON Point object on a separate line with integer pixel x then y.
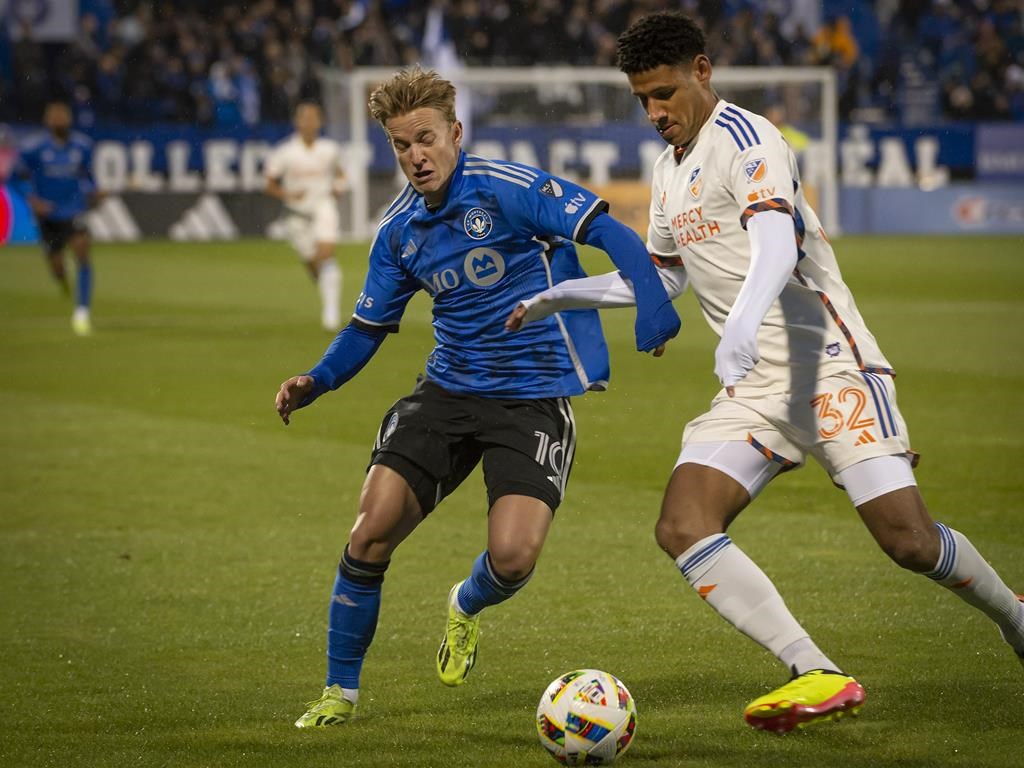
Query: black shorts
{"type": "Point", "coordinates": [55, 233]}
{"type": "Point", "coordinates": [434, 438]}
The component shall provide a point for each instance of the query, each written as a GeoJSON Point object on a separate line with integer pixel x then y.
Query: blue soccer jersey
{"type": "Point", "coordinates": [478, 256]}
{"type": "Point", "coordinates": [59, 173]}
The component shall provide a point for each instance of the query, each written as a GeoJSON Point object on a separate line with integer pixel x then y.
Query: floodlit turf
{"type": "Point", "coordinates": [167, 546]}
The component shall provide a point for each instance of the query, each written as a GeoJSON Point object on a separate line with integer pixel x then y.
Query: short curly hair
{"type": "Point", "coordinates": [668, 37]}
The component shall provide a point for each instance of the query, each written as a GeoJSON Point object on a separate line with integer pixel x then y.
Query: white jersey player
{"type": "Point", "coordinates": [801, 372]}
{"type": "Point", "coordinates": [306, 173]}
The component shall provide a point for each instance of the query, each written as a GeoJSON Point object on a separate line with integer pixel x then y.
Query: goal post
{"type": "Point", "coordinates": [582, 123]}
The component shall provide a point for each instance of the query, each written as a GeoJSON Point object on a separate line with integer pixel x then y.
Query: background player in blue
{"type": "Point", "coordinates": [55, 172]}
{"type": "Point", "coordinates": [468, 231]}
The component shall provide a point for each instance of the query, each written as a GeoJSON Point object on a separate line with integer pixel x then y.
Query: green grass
{"type": "Point", "coordinates": [167, 547]}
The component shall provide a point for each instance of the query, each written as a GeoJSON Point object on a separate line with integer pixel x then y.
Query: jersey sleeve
{"type": "Point", "coordinates": [88, 183]}
{"type": "Point", "coordinates": [540, 204]}
{"type": "Point", "coordinates": [759, 173]}
{"type": "Point", "coordinates": [274, 167]}
{"type": "Point", "coordinates": [659, 233]}
{"type": "Point", "coordinates": [387, 289]}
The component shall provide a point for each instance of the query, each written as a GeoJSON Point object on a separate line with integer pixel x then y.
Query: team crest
{"type": "Point", "coordinates": [477, 223]}
{"type": "Point", "coordinates": [756, 170]}
{"type": "Point", "coordinates": [832, 350]}
{"type": "Point", "coordinates": [551, 188]}
{"type": "Point", "coordinates": [695, 182]}
{"type": "Point", "coordinates": [389, 429]}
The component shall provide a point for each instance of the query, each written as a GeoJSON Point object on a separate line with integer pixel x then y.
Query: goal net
{"type": "Point", "coordinates": [580, 123]}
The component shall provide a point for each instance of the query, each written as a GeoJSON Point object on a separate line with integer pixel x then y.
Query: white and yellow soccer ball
{"type": "Point", "coordinates": [586, 717]}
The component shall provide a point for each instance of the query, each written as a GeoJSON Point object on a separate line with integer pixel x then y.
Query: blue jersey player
{"type": "Point", "coordinates": [479, 236]}
{"type": "Point", "coordinates": [55, 173]}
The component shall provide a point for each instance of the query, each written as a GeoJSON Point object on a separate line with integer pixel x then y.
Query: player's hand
{"type": "Point", "coordinates": [735, 357]}
{"type": "Point", "coordinates": [291, 394]}
{"type": "Point", "coordinates": [658, 350]}
{"type": "Point", "coordinates": [40, 207]}
{"type": "Point", "coordinates": [515, 320]}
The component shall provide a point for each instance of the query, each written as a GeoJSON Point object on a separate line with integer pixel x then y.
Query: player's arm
{"type": "Point", "coordinates": [608, 291]}
{"type": "Point", "coordinates": [274, 174]}
{"type": "Point", "coordinates": [552, 206]}
{"type": "Point", "coordinates": [88, 181]}
{"type": "Point", "coordinates": [771, 227]}
{"type": "Point", "coordinates": [773, 256]}
{"type": "Point", "coordinates": [379, 310]}
{"type": "Point", "coordinates": [348, 354]}
{"type": "Point", "coordinates": [25, 170]}
{"type": "Point", "coordinates": [340, 183]}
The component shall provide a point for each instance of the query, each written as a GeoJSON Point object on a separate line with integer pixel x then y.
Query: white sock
{"type": "Point", "coordinates": [329, 282]}
{"type": "Point", "coordinates": [352, 694]}
{"type": "Point", "coordinates": [732, 584]}
{"type": "Point", "coordinates": [964, 572]}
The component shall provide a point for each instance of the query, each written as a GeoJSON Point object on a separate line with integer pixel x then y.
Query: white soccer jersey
{"type": "Point", "coordinates": [311, 169]}
{"type": "Point", "coordinates": [701, 199]}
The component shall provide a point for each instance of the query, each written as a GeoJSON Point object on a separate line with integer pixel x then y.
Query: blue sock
{"type": "Point", "coordinates": [352, 619]}
{"type": "Point", "coordinates": [84, 285]}
{"type": "Point", "coordinates": [484, 587]}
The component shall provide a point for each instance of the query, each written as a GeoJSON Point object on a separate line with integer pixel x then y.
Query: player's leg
{"type": "Point", "coordinates": [886, 495]}
{"type": "Point", "coordinates": [388, 512]}
{"type": "Point", "coordinates": [80, 243]}
{"type": "Point", "coordinates": [328, 280]}
{"type": "Point", "coordinates": [410, 472]}
{"type": "Point", "coordinates": [517, 527]}
{"type": "Point", "coordinates": [531, 445]}
{"type": "Point", "coordinates": [328, 274]}
{"type": "Point", "coordinates": [54, 240]}
{"type": "Point", "coordinates": [729, 456]}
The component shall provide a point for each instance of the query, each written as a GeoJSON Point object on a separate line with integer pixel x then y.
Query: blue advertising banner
{"type": "Point", "coordinates": [957, 209]}
{"type": "Point", "coordinates": [999, 154]}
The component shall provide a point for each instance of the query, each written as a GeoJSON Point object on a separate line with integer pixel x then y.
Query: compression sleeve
{"type": "Point", "coordinates": [607, 291]}
{"type": "Point", "coordinates": [773, 256]}
{"type": "Point", "coordinates": [351, 349]}
{"type": "Point", "coordinates": [656, 319]}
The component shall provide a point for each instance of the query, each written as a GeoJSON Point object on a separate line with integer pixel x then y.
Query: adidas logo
{"type": "Point", "coordinates": [111, 221]}
{"type": "Point", "coordinates": [865, 438]}
{"type": "Point", "coordinates": [206, 220]}
{"type": "Point", "coordinates": [556, 480]}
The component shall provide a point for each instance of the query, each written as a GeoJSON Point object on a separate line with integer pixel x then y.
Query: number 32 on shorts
{"type": "Point", "coordinates": [844, 410]}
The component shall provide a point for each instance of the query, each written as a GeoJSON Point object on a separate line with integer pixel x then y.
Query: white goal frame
{"type": "Point", "coordinates": [345, 96]}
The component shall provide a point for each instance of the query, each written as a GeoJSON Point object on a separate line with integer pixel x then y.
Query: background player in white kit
{"type": "Point", "coordinates": [800, 370]}
{"type": "Point", "coordinates": [305, 172]}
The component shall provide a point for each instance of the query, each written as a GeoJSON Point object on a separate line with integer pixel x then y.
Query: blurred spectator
{"type": "Point", "coordinates": [235, 62]}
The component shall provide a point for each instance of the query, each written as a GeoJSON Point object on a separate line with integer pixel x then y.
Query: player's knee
{"type": "Point", "coordinates": [675, 534]}
{"type": "Point", "coordinates": [914, 550]}
{"type": "Point", "coordinates": [515, 562]}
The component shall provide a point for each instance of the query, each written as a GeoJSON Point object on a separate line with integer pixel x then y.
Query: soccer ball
{"type": "Point", "coordinates": [586, 717]}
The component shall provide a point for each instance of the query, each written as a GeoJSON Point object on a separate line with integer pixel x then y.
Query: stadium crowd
{"type": "Point", "coordinates": [235, 63]}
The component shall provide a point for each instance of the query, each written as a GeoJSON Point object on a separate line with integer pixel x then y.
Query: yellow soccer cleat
{"type": "Point", "coordinates": [816, 695]}
{"type": "Point", "coordinates": [457, 653]}
{"type": "Point", "coordinates": [81, 324]}
{"type": "Point", "coordinates": [330, 709]}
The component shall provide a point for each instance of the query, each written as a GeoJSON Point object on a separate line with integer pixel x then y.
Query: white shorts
{"type": "Point", "coordinates": [306, 229]}
{"type": "Point", "coordinates": [847, 419]}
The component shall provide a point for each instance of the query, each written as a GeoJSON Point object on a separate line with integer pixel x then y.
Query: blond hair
{"type": "Point", "coordinates": [412, 89]}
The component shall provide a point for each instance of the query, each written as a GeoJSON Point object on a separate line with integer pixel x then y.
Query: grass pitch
{"type": "Point", "coordinates": [167, 547]}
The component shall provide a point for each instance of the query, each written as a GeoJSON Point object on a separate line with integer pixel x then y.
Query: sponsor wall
{"type": "Point", "coordinates": [190, 184]}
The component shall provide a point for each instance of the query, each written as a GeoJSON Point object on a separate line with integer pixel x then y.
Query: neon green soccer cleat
{"type": "Point", "coordinates": [816, 695]}
{"type": "Point", "coordinates": [457, 653]}
{"type": "Point", "coordinates": [329, 709]}
{"type": "Point", "coordinates": [80, 322]}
